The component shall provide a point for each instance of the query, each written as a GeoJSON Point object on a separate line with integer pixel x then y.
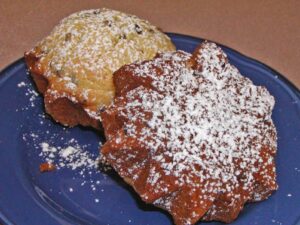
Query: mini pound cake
{"type": "Point", "coordinates": [191, 135]}
{"type": "Point", "coordinates": [73, 66]}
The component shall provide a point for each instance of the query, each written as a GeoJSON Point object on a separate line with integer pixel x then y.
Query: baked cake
{"type": "Point", "coordinates": [192, 135]}
{"type": "Point", "coordinates": [73, 66]}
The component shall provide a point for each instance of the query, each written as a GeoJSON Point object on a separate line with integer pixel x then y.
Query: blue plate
{"type": "Point", "coordinates": [28, 197]}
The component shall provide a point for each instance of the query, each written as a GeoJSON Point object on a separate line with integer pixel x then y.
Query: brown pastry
{"type": "Point", "coordinates": [73, 66]}
{"type": "Point", "coordinates": [191, 135]}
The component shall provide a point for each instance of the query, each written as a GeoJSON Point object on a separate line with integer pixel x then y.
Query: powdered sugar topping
{"type": "Point", "coordinates": [213, 124]}
{"type": "Point", "coordinates": [85, 48]}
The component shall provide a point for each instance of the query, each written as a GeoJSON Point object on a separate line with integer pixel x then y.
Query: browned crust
{"type": "Point", "coordinates": [61, 109]}
{"type": "Point", "coordinates": [223, 208]}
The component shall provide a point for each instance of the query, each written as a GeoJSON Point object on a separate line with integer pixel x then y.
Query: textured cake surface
{"type": "Point", "coordinates": [192, 135]}
{"type": "Point", "coordinates": [76, 61]}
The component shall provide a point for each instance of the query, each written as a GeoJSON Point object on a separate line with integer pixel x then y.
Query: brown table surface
{"type": "Point", "coordinates": [267, 30]}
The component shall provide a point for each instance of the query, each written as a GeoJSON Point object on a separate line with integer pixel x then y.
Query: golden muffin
{"type": "Point", "coordinates": [73, 66]}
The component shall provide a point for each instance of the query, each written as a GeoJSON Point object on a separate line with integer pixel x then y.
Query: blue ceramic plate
{"type": "Point", "coordinates": [28, 197]}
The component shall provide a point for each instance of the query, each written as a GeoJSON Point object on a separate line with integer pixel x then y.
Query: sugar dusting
{"type": "Point", "coordinates": [205, 125]}
{"type": "Point", "coordinates": [73, 156]}
{"type": "Point", "coordinates": [70, 155]}
{"type": "Point", "coordinates": [30, 93]}
{"type": "Point", "coordinates": [276, 222]}
{"type": "Point", "coordinates": [85, 48]}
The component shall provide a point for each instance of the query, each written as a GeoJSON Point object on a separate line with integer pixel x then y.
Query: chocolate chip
{"type": "Point", "coordinates": [196, 74]}
{"type": "Point", "coordinates": [96, 12]}
{"type": "Point", "coordinates": [107, 23]}
{"type": "Point", "coordinates": [123, 36]}
{"type": "Point", "coordinates": [59, 73]}
{"type": "Point", "coordinates": [68, 37]}
{"type": "Point", "coordinates": [138, 29]}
